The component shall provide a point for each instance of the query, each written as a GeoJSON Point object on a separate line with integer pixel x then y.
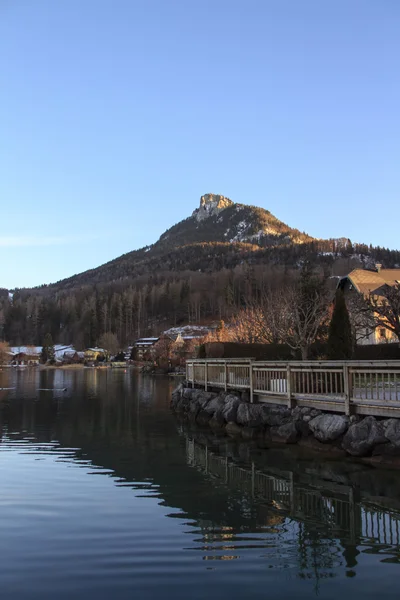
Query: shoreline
{"type": "Point", "coordinates": [369, 440]}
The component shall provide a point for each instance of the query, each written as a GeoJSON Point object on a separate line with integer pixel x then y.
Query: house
{"type": "Point", "coordinates": [143, 348]}
{"type": "Point", "coordinates": [94, 354]}
{"type": "Point", "coordinates": [368, 282]}
{"type": "Point", "coordinates": [25, 356]}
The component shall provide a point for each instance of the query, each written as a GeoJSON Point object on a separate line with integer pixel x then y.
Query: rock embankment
{"type": "Point", "coordinates": [232, 414]}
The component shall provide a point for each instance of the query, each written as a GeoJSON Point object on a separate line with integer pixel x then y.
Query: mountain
{"type": "Point", "coordinates": [227, 228]}
{"type": "Point", "coordinates": [201, 270]}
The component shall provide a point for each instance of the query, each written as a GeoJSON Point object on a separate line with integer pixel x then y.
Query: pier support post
{"type": "Point", "coordinates": [251, 382]}
{"type": "Point", "coordinates": [290, 399]}
{"type": "Point", "coordinates": [226, 375]}
{"type": "Point", "coordinates": [347, 389]}
{"type": "Point", "coordinates": [205, 375]}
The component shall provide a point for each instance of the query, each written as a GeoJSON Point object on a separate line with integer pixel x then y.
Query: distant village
{"type": "Point", "coordinates": [169, 349]}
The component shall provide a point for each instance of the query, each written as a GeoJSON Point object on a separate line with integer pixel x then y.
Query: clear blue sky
{"type": "Point", "coordinates": [116, 116]}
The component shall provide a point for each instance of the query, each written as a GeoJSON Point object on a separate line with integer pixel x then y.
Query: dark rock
{"type": "Point", "coordinates": [327, 428]}
{"type": "Point", "coordinates": [245, 396]}
{"type": "Point", "coordinates": [392, 431]}
{"type": "Point", "coordinates": [233, 429]}
{"type": "Point", "coordinates": [303, 428]}
{"type": "Point", "coordinates": [387, 449]}
{"type": "Point", "coordinates": [249, 414]}
{"type": "Point", "coordinates": [203, 418]}
{"type": "Point", "coordinates": [188, 392]}
{"type": "Point", "coordinates": [214, 405]}
{"type": "Point", "coordinates": [286, 433]}
{"type": "Point", "coordinates": [217, 422]}
{"type": "Point", "coordinates": [274, 416]}
{"type": "Point", "coordinates": [230, 408]}
{"type": "Point", "coordinates": [193, 409]}
{"type": "Point", "coordinates": [314, 412]}
{"type": "Point", "coordinates": [183, 404]}
{"type": "Point", "coordinates": [355, 419]}
{"type": "Point", "coordinates": [297, 413]}
{"type": "Point", "coordinates": [361, 437]}
{"type": "Point", "coordinates": [249, 433]}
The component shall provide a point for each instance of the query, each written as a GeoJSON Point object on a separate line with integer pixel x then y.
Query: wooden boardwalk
{"type": "Point", "coordinates": [362, 387]}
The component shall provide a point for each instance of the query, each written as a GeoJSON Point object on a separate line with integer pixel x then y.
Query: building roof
{"type": "Point", "coordinates": [95, 350]}
{"type": "Point", "coordinates": [366, 281]}
{"type": "Point", "coordinates": [146, 341]}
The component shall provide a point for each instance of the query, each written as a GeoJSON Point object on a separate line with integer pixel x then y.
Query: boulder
{"type": "Point", "coordinates": [327, 428]}
{"type": "Point", "coordinates": [296, 413]}
{"type": "Point", "coordinates": [233, 429]}
{"type": "Point", "coordinates": [217, 422]}
{"type": "Point", "coordinates": [392, 431]}
{"type": "Point", "coordinates": [362, 437]}
{"type": "Point", "coordinates": [286, 433]}
{"type": "Point", "coordinates": [214, 405]}
{"type": "Point", "coordinates": [202, 397]}
{"type": "Point", "coordinates": [274, 416]}
{"type": "Point", "coordinates": [249, 414]}
{"type": "Point", "coordinates": [183, 404]}
{"type": "Point", "coordinates": [303, 428]}
{"type": "Point", "coordinates": [230, 408]}
{"type": "Point", "coordinates": [193, 409]}
{"type": "Point", "coordinates": [203, 418]}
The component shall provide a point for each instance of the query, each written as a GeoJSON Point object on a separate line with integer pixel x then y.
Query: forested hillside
{"type": "Point", "coordinates": [202, 269]}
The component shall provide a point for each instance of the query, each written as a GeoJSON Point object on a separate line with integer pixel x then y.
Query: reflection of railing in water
{"type": "Point", "coordinates": [329, 504]}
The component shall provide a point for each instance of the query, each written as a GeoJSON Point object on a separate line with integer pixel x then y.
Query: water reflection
{"type": "Point", "coordinates": [273, 515]}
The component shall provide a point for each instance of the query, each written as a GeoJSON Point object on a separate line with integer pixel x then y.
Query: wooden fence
{"type": "Point", "coordinates": [362, 387]}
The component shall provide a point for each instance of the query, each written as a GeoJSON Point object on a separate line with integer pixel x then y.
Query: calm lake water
{"type": "Point", "coordinates": [105, 495]}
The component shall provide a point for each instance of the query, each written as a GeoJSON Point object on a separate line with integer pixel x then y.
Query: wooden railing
{"type": "Point", "coordinates": [363, 387]}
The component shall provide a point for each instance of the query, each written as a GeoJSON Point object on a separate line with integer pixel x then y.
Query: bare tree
{"type": "Point", "coordinates": [385, 308]}
{"type": "Point", "coordinates": [109, 341]}
{"type": "Point", "coordinates": [264, 321]}
{"type": "Point", "coordinates": [361, 317]}
{"type": "Point", "coordinates": [4, 353]}
{"type": "Point", "coordinates": [305, 308]}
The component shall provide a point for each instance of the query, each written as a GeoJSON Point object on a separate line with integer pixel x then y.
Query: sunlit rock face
{"type": "Point", "coordinates": [210, 205]}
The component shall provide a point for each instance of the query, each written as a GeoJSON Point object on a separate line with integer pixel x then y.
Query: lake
{"type": "Point", "coordinates": [104, 494]}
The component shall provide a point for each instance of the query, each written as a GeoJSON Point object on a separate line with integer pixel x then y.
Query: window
{"type": "Point", "coordinates": [382, 333]}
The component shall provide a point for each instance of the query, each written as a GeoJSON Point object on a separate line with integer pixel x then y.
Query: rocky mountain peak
{"type": "Point", "coordinates": [210, 205]}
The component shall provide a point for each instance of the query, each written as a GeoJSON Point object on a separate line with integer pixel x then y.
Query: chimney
{"type": "Point", "coordinates": [378, 267]}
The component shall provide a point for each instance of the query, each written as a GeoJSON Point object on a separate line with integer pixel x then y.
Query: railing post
{"type": "Point", "coordinates": [251, 382]}
{"type": "Point", "coordinates": [205, 375]}
{"type": "Point", "coordinates": [193, 374]}
{"type": "Point", "coordinates": [347, 389]}
{"type": "Point", "coordinates": [290, 400]}
{"type": "Point", "coordinates": [225, 375]}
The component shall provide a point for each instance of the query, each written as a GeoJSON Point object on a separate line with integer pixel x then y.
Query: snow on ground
{"type": "Point", "coordinates": [188, 331]}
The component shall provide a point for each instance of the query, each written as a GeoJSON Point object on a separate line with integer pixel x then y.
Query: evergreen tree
{"type": "Point", "coordinates": [47, 354]}
{"type": "Point", "coordinates": [340, 340]}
